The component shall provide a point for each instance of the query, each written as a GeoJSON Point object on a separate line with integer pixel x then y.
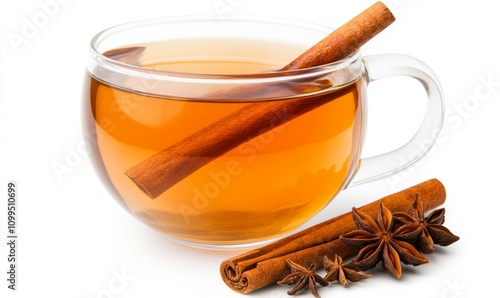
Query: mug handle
{"type": "Point", "coordinates": [384, 165]}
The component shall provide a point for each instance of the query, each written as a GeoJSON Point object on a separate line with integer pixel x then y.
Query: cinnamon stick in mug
{"type": "Point", "coordinates": [161, 171]}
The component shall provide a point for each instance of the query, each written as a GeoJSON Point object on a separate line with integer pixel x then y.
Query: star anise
{"type": "Point", "coordinates": [379, 241]}
{"type": "Point", "coordinates": [338, 271]}
{"type": "Point", "coordinates": [431, 229]}
{"type": "Point", "coordinates": [302, 278]}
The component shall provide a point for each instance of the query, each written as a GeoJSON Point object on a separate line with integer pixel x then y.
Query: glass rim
{"type": "Point", "coordinates": [109, 64]}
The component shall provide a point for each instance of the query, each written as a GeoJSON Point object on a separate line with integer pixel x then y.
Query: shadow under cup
{"type": "Point", "coordinates": [155, 84]}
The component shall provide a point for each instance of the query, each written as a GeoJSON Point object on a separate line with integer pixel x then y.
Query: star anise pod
{"type": "Point", "coordinates": [379, 241]}
{"type": "Point", "coordinates": [338, 271]}
{"type": "Point", "coordinates": [302, 278]}
{"type": "Point", "coordinates": [431, 229]}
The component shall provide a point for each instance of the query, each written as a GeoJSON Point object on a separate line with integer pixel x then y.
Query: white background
{"type": "Point", "coordinates": [74, 239]}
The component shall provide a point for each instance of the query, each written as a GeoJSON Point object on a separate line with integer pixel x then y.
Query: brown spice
{"type": "Point", "coordinates": [340, 272]}
{"type": "Point", "coordinates": [377, 240]}
{"type": "Point", "coordinates": [266, 265]}
{"type": "Point", "coordinates": [431, 227]}
{"type": "Point", "coordinates": [302, 278]}
{"type": "Point", "coordinates": [161, 171]}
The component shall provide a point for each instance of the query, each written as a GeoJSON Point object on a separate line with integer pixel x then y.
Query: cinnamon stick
{"type": "Point", "coordinates": [161, 171]}
{"type": "Point", "coordinates": [267, 265]}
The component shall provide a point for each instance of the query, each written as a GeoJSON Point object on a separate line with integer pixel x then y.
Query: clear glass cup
{"type": "Point", "coordinates": [157, 85]}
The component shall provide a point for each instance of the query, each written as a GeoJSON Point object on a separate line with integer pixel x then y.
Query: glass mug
{"type": "Point", "coordinates": [153, 84]}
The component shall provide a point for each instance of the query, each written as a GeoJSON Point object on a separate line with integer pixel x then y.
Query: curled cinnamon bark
{"type": "Point", "coordinates": [161, 171]}
{"type": "Point", "coordinates": [267, 265]}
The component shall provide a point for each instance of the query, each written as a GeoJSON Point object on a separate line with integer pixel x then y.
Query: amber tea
{"type": "Point", "coordinates": [268, 185]}
{"type": "Point", "coordinates": [225, 133]}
